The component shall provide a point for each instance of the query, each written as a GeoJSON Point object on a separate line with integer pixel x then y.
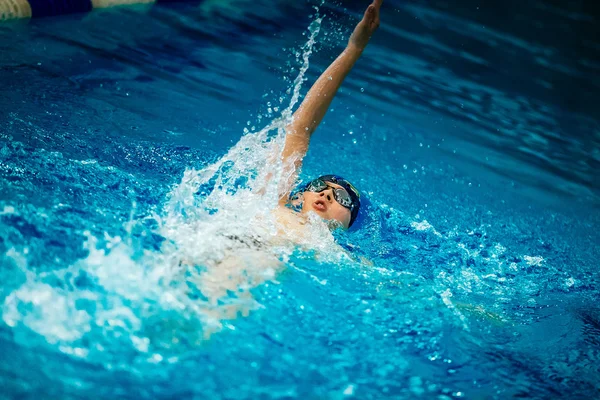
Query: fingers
{"type": "Point", "coordinates": [371, 16]}
{"type": "Point", "coordinates": [376, 6]}
{"type": "Point", "coordinates": [373, 9]}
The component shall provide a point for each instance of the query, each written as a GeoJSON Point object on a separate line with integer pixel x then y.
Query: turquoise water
{"type": "Point", "coordinates": [473, 273]}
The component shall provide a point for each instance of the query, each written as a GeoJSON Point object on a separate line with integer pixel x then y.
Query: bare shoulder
{"type": "Point", "coordinates": [290, 224]}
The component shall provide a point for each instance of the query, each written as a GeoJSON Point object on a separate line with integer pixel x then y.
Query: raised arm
{"type": "Point", "coordinates": [317, 100]}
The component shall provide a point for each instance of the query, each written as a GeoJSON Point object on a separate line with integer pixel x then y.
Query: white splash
{"type": "Point", "coordinates": [534, 261]}
{"type": "Point", "coordinates": [212, 221]}
{"type": "Point", "coordinates": [425, 226]}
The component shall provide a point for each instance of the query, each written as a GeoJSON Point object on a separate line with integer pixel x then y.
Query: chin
{"type": "Point", "coordinates": [322, 214]}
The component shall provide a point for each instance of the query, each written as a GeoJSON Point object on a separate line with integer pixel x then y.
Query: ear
{"type": "Point", "coordinates": [297, 199]}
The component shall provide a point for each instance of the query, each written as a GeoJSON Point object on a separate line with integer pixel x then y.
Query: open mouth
{"type": "Point", "coordinates": [320, 205]}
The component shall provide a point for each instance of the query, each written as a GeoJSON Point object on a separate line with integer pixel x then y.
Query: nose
{"type": "Point", "coordinates": [327, 193]}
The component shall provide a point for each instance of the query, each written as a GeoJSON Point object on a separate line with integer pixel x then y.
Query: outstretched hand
{"type": "Point", "coordinates": [366, 27]}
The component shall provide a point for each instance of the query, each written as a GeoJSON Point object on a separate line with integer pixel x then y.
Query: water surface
{"type": "Point", "coordinates": [477, 155]}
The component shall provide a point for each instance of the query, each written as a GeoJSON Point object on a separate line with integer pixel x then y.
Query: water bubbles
{"type": "Point", "coordinates": [349, 390]}
{"type": "Point", "coordinates": [141, 344]}
{"type": "Point", "coordinates": [534, 261]}
{"type": "Point", "coordinates": [8, 210]}
{"type": "Point", "coordinates": [570, 282]}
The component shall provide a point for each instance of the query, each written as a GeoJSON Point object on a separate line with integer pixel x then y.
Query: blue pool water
{"type": "Point", "coordinates": [471, 131]}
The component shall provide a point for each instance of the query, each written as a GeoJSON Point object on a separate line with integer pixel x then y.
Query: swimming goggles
{"type": "Point", "coordinates": [339, 194]}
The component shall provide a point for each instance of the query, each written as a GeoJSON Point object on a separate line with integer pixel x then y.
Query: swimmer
{"type": "Point", "coordinates": [331, 197]}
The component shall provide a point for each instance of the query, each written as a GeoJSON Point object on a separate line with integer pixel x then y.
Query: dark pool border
{"type": "Point", "coordinates": [18, 9]}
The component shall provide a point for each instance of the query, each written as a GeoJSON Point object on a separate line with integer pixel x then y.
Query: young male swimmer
{"type": "Point", "coordinates": [331, 197]}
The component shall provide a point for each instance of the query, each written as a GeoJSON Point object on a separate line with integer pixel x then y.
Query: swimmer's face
{"type": "Point", "coordinates": [324, 204]}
